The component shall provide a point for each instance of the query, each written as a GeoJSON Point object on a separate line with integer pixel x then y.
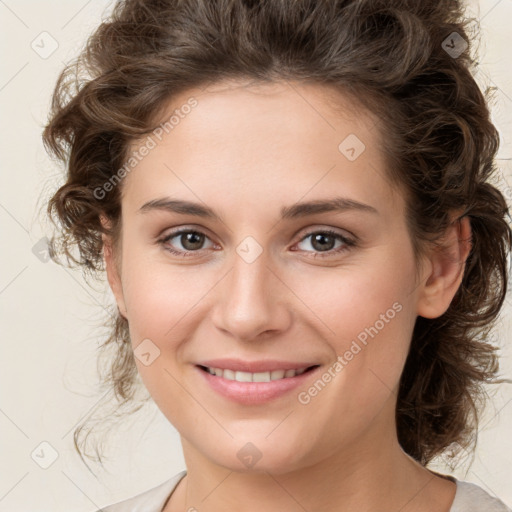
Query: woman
{"type": "Point", "coordinates": [292, 204]}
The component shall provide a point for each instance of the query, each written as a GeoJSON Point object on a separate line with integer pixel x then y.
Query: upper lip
{"type": "Point", "coordinates": [267, 365]}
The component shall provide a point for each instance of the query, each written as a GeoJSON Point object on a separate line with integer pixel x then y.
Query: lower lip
{"type": "Point", "coordinates": [253, 393]}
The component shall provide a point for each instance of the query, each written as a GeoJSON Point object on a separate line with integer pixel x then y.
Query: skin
{"type": "Point", "coordinates": [246, 151]}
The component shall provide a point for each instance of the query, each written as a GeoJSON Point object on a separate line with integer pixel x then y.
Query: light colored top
{"type": "Point", "coordinates": [468, 498]}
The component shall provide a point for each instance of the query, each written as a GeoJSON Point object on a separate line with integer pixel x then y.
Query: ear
{"type": "Point", "coordinates": [112, 268]}
{"type": "Point", "coordinates": [445, 269]}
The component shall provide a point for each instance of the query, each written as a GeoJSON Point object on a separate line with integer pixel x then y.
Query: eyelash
{"type": "Point", "coordinates": [347, 243]}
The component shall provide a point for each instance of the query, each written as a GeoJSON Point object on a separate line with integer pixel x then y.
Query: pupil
{"type": "Point", "coordinates": [190, 238]}
{"type": "Point", "coordinates": [321, 238]}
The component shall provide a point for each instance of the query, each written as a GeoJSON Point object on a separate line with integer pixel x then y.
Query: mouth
{"type": "Point", "coordinates": [255, 388]}
{"type": "Point", "coordinates": [268, 376]}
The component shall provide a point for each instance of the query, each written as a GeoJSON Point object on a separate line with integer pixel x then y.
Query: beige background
{"type": "Point", "coordinates": [49, 317]}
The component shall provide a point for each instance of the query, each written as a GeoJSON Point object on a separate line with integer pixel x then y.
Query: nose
{"type": "Point", "coordinates": [252, 301]}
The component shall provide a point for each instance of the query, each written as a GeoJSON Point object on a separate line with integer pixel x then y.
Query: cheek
{"type": "Point", "coordinates": [347, 300]}
{"type": "Point", "coordinates": [162, 302]}
{"type": "Point", "coordinates": [365, 312]}
{"type": "Point", "coordinates": [159, 297]}
{"type": "Point", "coordinates": [367, 323]}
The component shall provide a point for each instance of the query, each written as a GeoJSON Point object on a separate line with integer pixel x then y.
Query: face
{"type": "Point", "coordinates": [329, 288]}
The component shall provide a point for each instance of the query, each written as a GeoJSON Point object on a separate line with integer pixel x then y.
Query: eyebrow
{"type": "Point", "coordinates": [336, 204]}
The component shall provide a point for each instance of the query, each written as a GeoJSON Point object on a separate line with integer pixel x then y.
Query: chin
{"type": "Point", "coordinates": [256, 454]}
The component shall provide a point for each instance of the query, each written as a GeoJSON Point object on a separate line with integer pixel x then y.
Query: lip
{"type": "Point", "coordinates": [267, 365]}
{"type": "Point", "coordinates": [254, 393]}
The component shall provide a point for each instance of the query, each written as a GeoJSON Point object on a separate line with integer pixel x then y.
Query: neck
{"type": "Point", "coordinates": [373, 474]}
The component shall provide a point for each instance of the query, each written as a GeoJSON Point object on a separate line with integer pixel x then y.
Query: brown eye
{"type": "Point", "coordinates": [325, 242]}
{"type": "Point", "coordinates": [190, 240]}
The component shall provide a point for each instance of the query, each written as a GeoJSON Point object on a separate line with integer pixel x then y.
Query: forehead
{"type": "Point", "coordinates": [308, 111]}
{"type": "Point", "coordinates": [256, 141]}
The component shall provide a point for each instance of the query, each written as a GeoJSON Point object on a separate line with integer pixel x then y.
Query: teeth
{"type": "Point", "coordinates": [255, 377]}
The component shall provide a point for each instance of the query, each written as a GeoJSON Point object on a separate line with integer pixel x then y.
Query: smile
{"type": "Point", "coordinates": [254, 388]}
{"type": "Point", "coordinates": [254, 377]}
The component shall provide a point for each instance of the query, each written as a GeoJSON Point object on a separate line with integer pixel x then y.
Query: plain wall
{"type": "Point", "coordinates": [50, 317]}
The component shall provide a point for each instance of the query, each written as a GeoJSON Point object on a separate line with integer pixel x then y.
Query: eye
{"type": "Point", "coordinates": [190, 239]}
{"type": "Point", "coordinates": [325, 241]}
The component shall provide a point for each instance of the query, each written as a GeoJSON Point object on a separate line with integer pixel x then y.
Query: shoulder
{"type": "Point", "coordinates": [472, 498]}
{"type": "Point", "coordinates": [152, 500]}
{"type": "Point", "coordinates": [468, 498]}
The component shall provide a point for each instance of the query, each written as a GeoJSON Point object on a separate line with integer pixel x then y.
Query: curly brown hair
{"type": "Point", "coordinates": [408, 62]}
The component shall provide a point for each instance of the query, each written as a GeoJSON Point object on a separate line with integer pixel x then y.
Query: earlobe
{"type": "Point", "coordinates": [112, 271]}
{"type": "Point", "coordinates": [446, 270]}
